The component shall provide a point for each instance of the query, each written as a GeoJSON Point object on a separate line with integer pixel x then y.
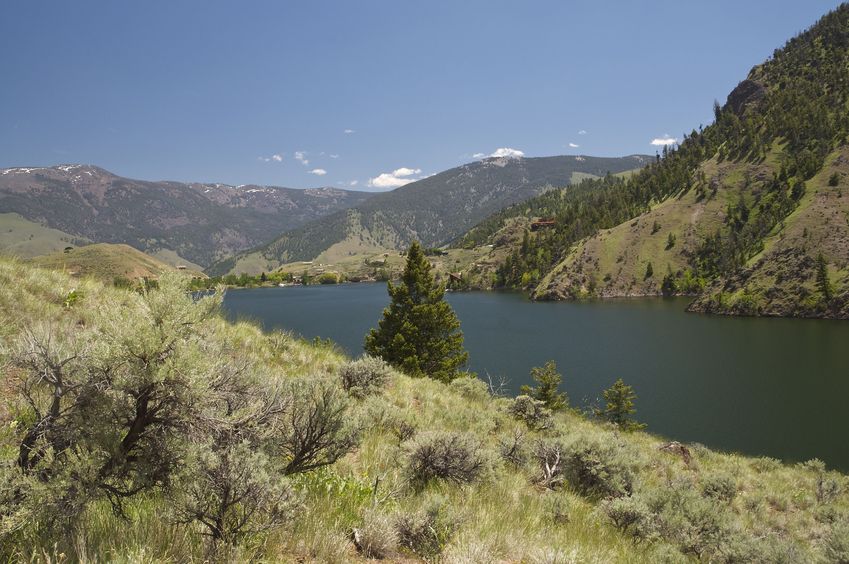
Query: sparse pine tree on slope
{"type": "Point", "coordinates": [823, 283]}
{"type": "Point", "coordinates": [620, 406]}
{"type": "Point", "coordinates": [548, 381]}
{"type": "Point", "coordinates": [419, 332]}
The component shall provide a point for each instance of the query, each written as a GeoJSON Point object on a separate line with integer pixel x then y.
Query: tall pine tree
{"type": "Point", "coordinates": [419, 332]}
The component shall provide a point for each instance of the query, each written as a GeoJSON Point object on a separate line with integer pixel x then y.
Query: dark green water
{"type": "Point", "coordinates": [776, 387]}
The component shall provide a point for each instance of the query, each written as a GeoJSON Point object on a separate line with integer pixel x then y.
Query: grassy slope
{"type": "Point", "coordinates": [505, 517]}
{"type": "Point", "coordinates": [105, 261]}
{"type": "Point", "coordinates": [615, 259]}
{"type": "Point", "coordinates": [23, 238]}
{"type": "Point", "coordinates": [780, 280]}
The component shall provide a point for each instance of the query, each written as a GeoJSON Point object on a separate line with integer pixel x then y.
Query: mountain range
{"type": "Point", "coordinates": [189, 223]}
{"type": "Point", "coordinates": [434, 210]}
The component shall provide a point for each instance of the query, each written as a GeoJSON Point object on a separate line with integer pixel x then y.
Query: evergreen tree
{"type": "Point", "coordinates": [548, 381]}
{"type": "Point", "coordinates": [620, 406]}
{"type": "Point", "coordinates": [823, 283]}
{"type": "Point", "coordinates": [649, 270]}
{"type": "Point", "coordinates": [419, 332]}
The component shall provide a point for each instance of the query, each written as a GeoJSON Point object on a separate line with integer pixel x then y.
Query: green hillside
{"type": "Point", "coordinates": [416, 471]}
{"type": "Point", "coordinates": [22, 238]}
{"type": "Point", "coordinates": [434, 210]}
{"type": "Point", "coordinates": [106, 262]}
{"type": "Point", "coordinates": [738, 215]}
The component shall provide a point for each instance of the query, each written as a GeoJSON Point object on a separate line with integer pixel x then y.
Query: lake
{"type": "Point", "coordinates": [774, 387]}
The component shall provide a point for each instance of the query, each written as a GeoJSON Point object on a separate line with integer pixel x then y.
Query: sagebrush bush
{"type": "Point", "coordinates": [533, 412]}
{"type": "Point", "coordinates": [631, 515]}
{"type": "Point", "coordinates": [513, 449]}
{"type": "Point", "coordinates": [453, 457]}
{"type": "Point", "coordinates": [427, 532]}
{"type": "Point", "coordinates": [697, 525]}
{"type": "Point", "coordinates": [596, 466]}
{"type": "Point", "coordinates": [471, 387]}
{"type": "Point", "coordinates": [377, 536]}
{"type": "Point", "coordinates": [837, 543]}
{"type": "Point", "coordinates": [365, 376]}
{"type": "Point", "coordinates": [721, 487]}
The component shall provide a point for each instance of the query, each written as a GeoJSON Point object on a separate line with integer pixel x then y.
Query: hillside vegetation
{"type": "Point", "coordinates": [108, 263]}
{"type": "Point", "coordinates": [749, 214]}
{"type": "Point", "coordinates": [434, 210]}
{"type": "Point", "coordinates": [191, 446]}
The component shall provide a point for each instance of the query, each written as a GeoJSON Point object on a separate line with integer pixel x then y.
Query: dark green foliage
{"type": "Point", "coordinates": [668, 287]}
{"type": "Point", "coordinates": [649, 271]}
{"type": "Point", "coordinates": [620, 406]}
{"type": "Point", "coordinates": [548, 382]}
{"type": "Point", "coordinates": [834, 180]}
{"type": "Point", "coordinates": [419, 332]}
{"type": "Point", "coordinates": [655, 227]}
{"type": "Point", "coordinates": [670, 241]}
{"type": "Point", "coordinates": [824, 285]}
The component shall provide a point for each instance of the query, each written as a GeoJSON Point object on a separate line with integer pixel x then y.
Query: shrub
{"type": "Point", "coordinates": [599, 468]}
{"type": "Point", "coordinates": [453, 457]}
{"type": "Point", "coordinates": [630, 515]}
{"type": "Point", "coordinates": [365, 376]}
{"type": "Point", "coordinates": [428, 531]}
{"type": "Point", "coordinates": [722, 487]}
{"type": "Point", "coordinates": [837, 543]}
{"type": "Point", "coordinates": [471, 387]}
{"type": "Point", "coordinates": [377, 537]}
{"type": "Point", "coordinates": [695, 524]}
{"type": "Point", "coordinates": [549, 455]}
{"type": "Point", "coordinates": [512, 449]}
{"type": "Point", "coordinates": [533, 412]}
{"type": "Point", "coordinates": [317, 430]}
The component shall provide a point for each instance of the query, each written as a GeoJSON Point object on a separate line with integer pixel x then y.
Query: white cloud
{"type": "Point", "coordinates": [665, 140]}
{"type": "Point", "coordinates": [349, 131]}
{"type": "Point", "coordinates": [334, 156]}
{"type": "Point", "coordinates": [574, 145]}
{"type": "Point", "coordinates": [478, 156]}
{"type": "Point", "coordinates": [507, 152]}
{"type": "Point", "coordinates": [353, 183]}
{"type": "Point", "coordinates": [277, 157]}
{"type": "Point", "coordinates": [301, 156]}
{"type": "Point", "coordinates": [582, 132]}
{"type": "Point", "coordinates": [318, 171]}
{"type": "Point", "coordinates": [395, 179]}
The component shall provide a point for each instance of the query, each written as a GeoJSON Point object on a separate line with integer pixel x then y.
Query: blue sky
{"type": "Point", "coordinates": [371, 93]}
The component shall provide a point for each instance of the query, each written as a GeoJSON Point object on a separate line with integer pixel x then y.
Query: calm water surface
{"type": "Point", "coordinates": [776, 387]}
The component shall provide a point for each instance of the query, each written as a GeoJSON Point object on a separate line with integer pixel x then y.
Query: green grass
{"type": "Point", "coordinates": [25, 239]}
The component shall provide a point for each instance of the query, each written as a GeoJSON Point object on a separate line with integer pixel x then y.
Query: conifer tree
{"type": "Point", "coordinates": [823, 283]}
{"type": "Point", "coordinates": [419, 332]}
{"type": "Point", "coordinates": [620, 406]}
{"type": "Point", "coordinates": [548, 381]}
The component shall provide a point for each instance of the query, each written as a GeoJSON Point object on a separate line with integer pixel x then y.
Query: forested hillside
{"type": "Point", "coordinates": [434, 210]}
{"type": "Point", "coordinates": [749, 213]}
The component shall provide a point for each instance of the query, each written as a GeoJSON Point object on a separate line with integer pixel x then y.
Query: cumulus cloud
{"type": "Point", "coordinates": [574, 145]}
{"type": "Point", "coordinates": [507, 152]}
{"type": "Point", "coordinates": [582, 132]}
{"type": "Point", "coordinates": [278, 158]}
{"type": "Point", "coordinates": [348, 131]}
{"type": "Point", "coordinates": [334, 156]}
{"type": "Point", "coordinates": [395, 179]}
{"type": "Point", "coordinates": [478, 156]}
{"type": "Point", "coordinates": [318, 171]}
{"type": "Point", "coordinates": [353, 183]}
{"type": "Point", "coordinates": [301, 157]}
{"type": "Point", "coordinates": [665, 140]}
